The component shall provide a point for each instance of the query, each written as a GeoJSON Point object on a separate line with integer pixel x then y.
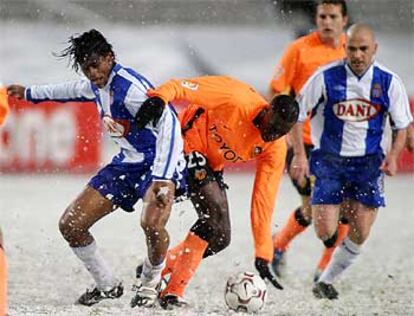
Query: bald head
{"type": "Point", "coordinates": [360, 47]}
{"type": "Point", "coordinates": [360, 29]}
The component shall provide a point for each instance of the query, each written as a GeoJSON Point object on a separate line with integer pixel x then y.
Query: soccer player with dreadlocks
{"type": "Point", "coordinates": [148, 166]}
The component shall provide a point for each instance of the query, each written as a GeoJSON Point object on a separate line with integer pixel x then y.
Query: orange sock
{"type": "Point", "coordinates": [291, 229]}
{"type": "Point", "coordinates": [3, 283]}
{"type": "Point", "coordinates": [172, 256]}
{"type": "Point", "coordinates": [343, 230]}
{"type": "Point", "coordinates": [186, 264]}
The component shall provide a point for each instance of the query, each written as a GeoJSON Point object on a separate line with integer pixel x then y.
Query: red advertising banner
{"type": "Point", "coordinates": [66, 137]}
{"type": "Point", "coordinates": [50, 137]}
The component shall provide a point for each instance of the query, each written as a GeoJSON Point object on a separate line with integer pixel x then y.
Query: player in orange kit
{"type": "Point", "coordinates": [299, 62]}
{"type": "Point", "coordinates": [4, 106]}
{"type": "Point", "coordinates": [4, 109]}
{"type": "Point", "coordinates": [227, 121]}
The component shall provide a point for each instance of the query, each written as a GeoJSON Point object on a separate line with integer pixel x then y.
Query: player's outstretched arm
{"type": "Point", "coordinates": [270, 167]}
{"type": "Point", "coordinates": [79, 91]}
{"type": "Point", "coordinates": [16, 91]}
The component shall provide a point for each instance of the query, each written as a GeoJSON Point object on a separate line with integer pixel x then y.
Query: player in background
{"type": "Point", "coordinates": [350, 101]}
{"type": "Point", "coordinates": [226, 121]}
{"type": "Point", "coordinates": [147, 167]}
{"type": "Point", "coordinates": [4, 109]}
{"type": "Point", "coordinates": [299, 62]}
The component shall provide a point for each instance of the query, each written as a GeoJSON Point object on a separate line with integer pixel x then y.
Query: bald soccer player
{"type": "Point", "coordinates": [350, 100]}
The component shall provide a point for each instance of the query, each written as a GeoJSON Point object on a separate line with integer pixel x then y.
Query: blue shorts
{"type": "Point", "coordinates": [125, 183]}
{"type": "Point", "coordinates": [340, 178]}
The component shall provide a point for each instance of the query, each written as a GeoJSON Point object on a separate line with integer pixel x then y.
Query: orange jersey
{"type": "Point", "coordinates": [300, 60]}
{"type": "Point", "coordinates": [225, 133]}
{"type": "Point", "coordinates": [4, 106]}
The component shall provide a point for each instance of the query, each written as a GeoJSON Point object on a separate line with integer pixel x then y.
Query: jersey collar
{"type": "Point", "coordinates": [359, 77]}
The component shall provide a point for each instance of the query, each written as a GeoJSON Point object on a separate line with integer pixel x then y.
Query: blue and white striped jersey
{"type": "Point", "coordinates": [349, 112]}
{"type": "Point", "coordinates": [118, 103]}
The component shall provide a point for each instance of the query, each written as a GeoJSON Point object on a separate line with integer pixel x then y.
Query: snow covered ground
{"type": "Point", "coordinates": [46, 278]}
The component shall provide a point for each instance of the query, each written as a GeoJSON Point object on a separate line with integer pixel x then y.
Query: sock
{"type": "Point", "coordinates": [172, 256]}
{"type": "Point", "coordinates": [342, 258]}
{"type": "Point", "coordinates": [3, 282]}
{"type": "Point", "coordinates": [187, 263]}
{"type": "Point", "coordinates": [343, 230]}
{"type": "Point", "coordinates": [151, 275]}
{"type": "Point", "coordinates": [291, 229]}
{"type": "Point", "coordinates": [96, 265]}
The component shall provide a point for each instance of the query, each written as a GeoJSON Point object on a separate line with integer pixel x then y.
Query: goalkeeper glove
{"type": "Point", "coordinates": [263, 267]}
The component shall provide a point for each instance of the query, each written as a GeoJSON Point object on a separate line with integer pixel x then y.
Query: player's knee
{"type": "Point", "coordinates": [359, 236]}
{"type": "Point", "coordinates": [71, 229]}
{"type": "Point", "coordinates": [223, 239]}
{"type": "Point", "coordinates": [151, 226]}
{"type": "Point", "coordinates": [330, 241]}
{"type": "Point", "coordinates": [68, 229]}
{"type": "Point", "coordinates": [63, 227]}
{"type": "Point", "coordinates": [324, 233]}
{"type": "Point", "coordinates": [217, 207]}
{"type": "Point", "coordinates": [302, 216]}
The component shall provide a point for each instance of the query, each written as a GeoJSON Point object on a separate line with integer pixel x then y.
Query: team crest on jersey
{"type": "Point", "coordinates": [356, 110]}
{"type": "Point", "coordinates": [376, 90]}
{"type": "Point", "coordinates": [189, 85]}
{"type": "Point", "coordinates": [116, 128]}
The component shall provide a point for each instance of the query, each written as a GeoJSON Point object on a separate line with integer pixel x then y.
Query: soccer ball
{"type": "Point", "coordinates": [245, 291]}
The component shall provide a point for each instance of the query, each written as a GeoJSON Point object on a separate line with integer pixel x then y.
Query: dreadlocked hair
{"type": "Point", "coordinates": [82, 47]}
